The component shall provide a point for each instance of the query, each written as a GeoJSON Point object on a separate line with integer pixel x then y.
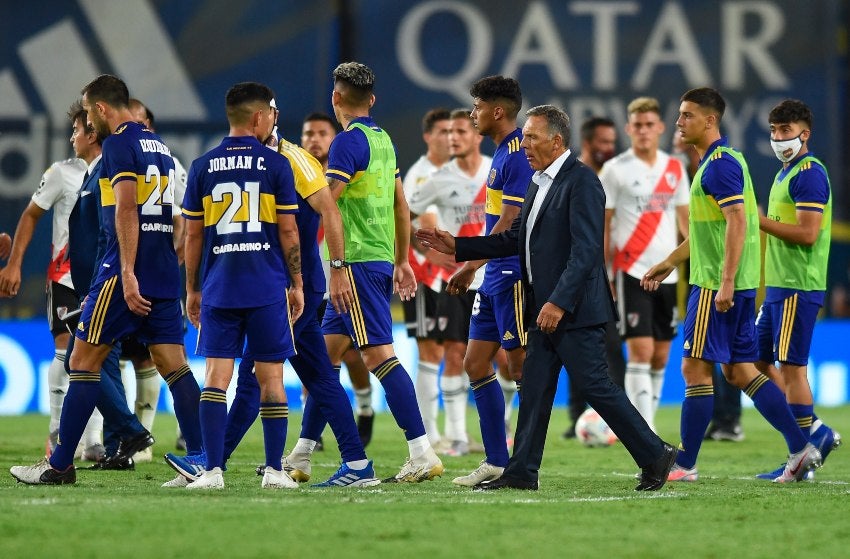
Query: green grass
{"type": "Point", "coordinates": [586, 506]}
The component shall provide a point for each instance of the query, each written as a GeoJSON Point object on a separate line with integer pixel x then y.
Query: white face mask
{"type": "Point", "coordinates": [786, 150]}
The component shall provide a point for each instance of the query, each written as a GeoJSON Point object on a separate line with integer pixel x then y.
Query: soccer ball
{"type": "Point", "coordinates": [592, 430]}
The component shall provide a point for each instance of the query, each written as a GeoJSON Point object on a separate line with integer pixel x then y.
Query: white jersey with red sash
{"type": "Point", "coordinates": [644, 199]}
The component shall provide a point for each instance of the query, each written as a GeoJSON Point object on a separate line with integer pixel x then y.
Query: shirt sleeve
{"type": "Point", "coordinates": [810, 189]}
{"type": "Point", "coordinates": [349, 153]}
{"type": "Point", "coordinates": [193, 207]}
{"type": "Point", "coordinates": [285, 199]}
{"type": "Point", "coordinates": [516, 174]}
{"type": "Point", "coordinates": [51, 187]}
{"type": "Point", "coordinates": [119, 162]}
{"type": "Point", "coordinates": [306, 170]}
{"type": "Point", "coordinates": [608, 178]}
{"type": "Point", "coordinates": [723, 179]}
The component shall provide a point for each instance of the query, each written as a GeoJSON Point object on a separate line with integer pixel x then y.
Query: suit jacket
{"type": "Point", "coordinates": [567, 261]}
{"type": "Point", "coordinates": [86, 243]}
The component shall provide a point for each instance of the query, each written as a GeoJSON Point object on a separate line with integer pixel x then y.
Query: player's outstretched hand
{"type": "Point", "coordinates": [296, 303]}
{"type": "Point", "coordinates": [10, 281]}
{"type": "Point", "coordinates": [404, 282]}
{"type": "Point", "coordinates": [654, 276]}
{"type": "Point", "coordinates": [136, 303]}
{"type": "Point", "coordinates": [437, 239]}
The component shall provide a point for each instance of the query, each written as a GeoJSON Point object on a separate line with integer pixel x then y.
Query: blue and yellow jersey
{"type": "Point", "coordinates": [309, 179]}
{"type": "Point", "coordinates": [238, 189]}
{"type": "Point", "coordinates": [507, 182]}
{"type": "Point", "coordinates": [136, 154]}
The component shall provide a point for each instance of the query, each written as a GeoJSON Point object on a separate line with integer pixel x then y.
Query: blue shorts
{"type": "Point", "coordinates": [785, 330]}
{"type": "Point", "coordinates": [369, 322]}
{"type": "Point", "coordinates": [263, 332]}
{"type": "Point", "coordinates": [728, 337]}
{"type": "Point", "coordinates": [498, 318]}
{"type": "Point", "coordinates": [106, 318]}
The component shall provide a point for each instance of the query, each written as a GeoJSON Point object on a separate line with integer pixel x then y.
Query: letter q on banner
{"type": "Point", "coordinates": [18, 377]}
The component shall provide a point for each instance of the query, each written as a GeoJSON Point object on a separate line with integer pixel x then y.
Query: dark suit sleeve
{"type": "Point", "coordinates": [501, 244]}
{"type": "Point", "coordinates": [587, 221]}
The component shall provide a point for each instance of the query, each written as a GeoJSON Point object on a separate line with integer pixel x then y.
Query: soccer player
{"type": "Point", "coordinates": [57, 191]}
{"type": "Point", "coordinates": [363, 178]}
{"type": "Point", "coordinates": [420, 313]}
{"type": "Point", "coordinates": [798, 221]}
{"type": "Point", "coordinates": [458, 191]}
{"type": "Point", "coordinates": [720, 321]}
{"type": "Point", "coordinates": [497, 312]}
{"type": "Point", "coordinates": [317, 133]}
{"type": "Point", "coordinates": [646, 197]}
{"type": "Point", "coordinates": [240, 205]}
{"type": "Point", "coordinates": [136, 287]}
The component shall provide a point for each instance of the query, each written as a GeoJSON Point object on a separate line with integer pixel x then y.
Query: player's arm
{"type": "Point", "coordinates": [403, 278]}
{"type": "Point", "coordinates": [127, 231]}
{"type": "Point", "coordinates": [10, 275]}
{"type": "Point", "coordinates": [193, 245]}
{"type": "Point", "coordinates": [805, 232]}
{"type": "Point", "coordinates": [736, 232]}
{"type": "Point", "coordinates": [682, 221]}
{"type": "Point", "coordinates": [322, 201]}
{"type": "Point", "coordinates": [655, 275]}
{"type": "Point", "coordinates": [291, 245]}
{"type": "Point", "coordinates": [179, 238]}
{"type": "Point", "coordinates": [5, 245]}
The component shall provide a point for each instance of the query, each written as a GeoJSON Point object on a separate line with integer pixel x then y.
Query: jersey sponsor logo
{"type": "Point", "coordinates": [157, 227]}
{"type": "Point", "coordinates": [240, 247]}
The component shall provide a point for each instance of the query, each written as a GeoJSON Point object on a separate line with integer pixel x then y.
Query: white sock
{"type": "Point", "coordinates": [657, 376]}
{"type": "Point", "coordinates": [57, 386]}
{"type": "Point", "coordinates": [639, 389]}
{"type": "Point", "coordinates": [148, 385]}
{"type": "Point", "coordinates": [816, 424]}
{"type": "Point", "coordinates": [363, 399]}
{"type": "Point", "coordinates": [418, 446]}
{"type": "Point", "coordinates": [357, 464]}
{"type": "Point", "coordinates": [454, 399]}
{"type": "Point", "coordinates": [304, 446]}
{"type": "Point", "coordinates": [509, 391]}
{"type": "Point", "coordinates": [93, 433]}
{"type": "Point", "coordinates": [427, 395]}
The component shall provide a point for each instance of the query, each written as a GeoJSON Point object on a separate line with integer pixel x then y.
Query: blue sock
{"type": "Point", "coordinates": [696, 415]}
{"type": "Point", "coordinates": [80, 400]}
{"type": "Point", "coordinates": [491, 416]}
{"type": "Point", "coordinates": [771, 404]}
{"type": "Point", "coordinates": [275, 418]}
{"type": "Point", "coordinates": [212, 410]}
{"type": "Point", "coordinates": [804, 414]}
{"type": "Point", "coordinates": [313, 421]}
{"type": "Point", "coordinates": [243, 412]}
{"type": "Point", "coordinates": [401, 397]}
{"type": "Point", "coordinates": [185, 392]}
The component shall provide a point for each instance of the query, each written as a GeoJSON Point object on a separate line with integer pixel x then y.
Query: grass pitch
{"type": "Point", "coordinates": [586, 506]}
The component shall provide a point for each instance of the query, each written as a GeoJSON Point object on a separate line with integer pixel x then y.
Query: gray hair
{"type": "Point", "coordinates": [355, 74]}
{"type": "Point", "coordinates": [558, 120]}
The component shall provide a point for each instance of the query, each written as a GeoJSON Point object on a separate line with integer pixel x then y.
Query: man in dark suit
{"type": "Point", "coordinates": [559, 239]}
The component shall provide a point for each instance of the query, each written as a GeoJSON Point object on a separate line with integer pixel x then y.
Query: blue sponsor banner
{"type": "Point", "coordinates": [26, 352]}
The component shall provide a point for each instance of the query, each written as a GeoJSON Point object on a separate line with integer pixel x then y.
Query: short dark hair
{"type": "Point", "coordinates": [358, 79]}
{"type": "Point", "coordinates": [589, 126]}
{"type": "Point", "coordinates": [148, 112]}
{"type": "Point", "coordinates": [790, 110]}
{"type": "Point", "coordinates": [558, 121]}
{"type": "Point", "coordinates": [499, 88]}
{"type": "Point", "coordinates": [77, 112]}
{"type": "Point", "coordinates": [243, 94]}
{"type": "Point", "coordinates": [321, 117]}
{"type": "Point", "coordinates": [434, 116]}
{"type": "Point", "coordinates": [461, 113]}
{"type": "Point", "coordinates": [707, 98]}
{"type": "Point", "coordinates": [108, 89]}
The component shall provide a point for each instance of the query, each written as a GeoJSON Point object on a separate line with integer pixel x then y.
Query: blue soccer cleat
{"type": "Point", "coordinates": [191, 467]}
{"type": "Point", "coordinates": [346, 477]}
{"type": "Point", "coordinates": [825, 440]}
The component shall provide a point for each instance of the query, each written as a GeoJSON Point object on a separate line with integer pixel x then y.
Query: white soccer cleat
{"type": "Point", "coordinates": [145, 455]}
{"type": "Point", "coordinates": [484, 472]}
{"type": "Point", "coordinates": [210, 479]}
{"type": "Point", "coordinates": [678, 473]}
{"type": "Point", "coordinates": [275, 479]}
{"type": "Point", "coordinates": [424, 468]}
{"type": "Point", "coordinates": [799, 464]}
{"type": "Point", "coordinates": [179, 481]}
{"type": "Point", "coordinates": [297, 465]}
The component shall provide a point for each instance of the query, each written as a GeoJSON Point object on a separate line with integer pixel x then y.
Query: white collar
{"type": "Point", "coordinates": [548, 175]}
{"type": "Point", "coordinates": [93, 163]}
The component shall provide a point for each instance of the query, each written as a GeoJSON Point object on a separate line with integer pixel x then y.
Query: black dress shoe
{"type": "Point", "coordinates": [365, 424]}
{"type": "Point", "coordinates": [133, 444]}
{"type": "Point", "coordinates": [506, 483]}
{"type": "Point", "coordinates": [654, 476]}
{"type": "Point", "coordinates": [114, 462]}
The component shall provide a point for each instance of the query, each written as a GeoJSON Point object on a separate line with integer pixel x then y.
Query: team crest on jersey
{"type": "Point", "coordinates": [492, 177]}
{"type": "Point", "coordinates": [633, 318]}
{"type": "Point", "coordinates": [429, 324]}
{"type": "Point", "coordinates": [81, 326]}
{"type": "Point", "coordinates": [61, 312]}
{"type": "Point", "coordinates": [120, 129]}
{"type": "Point", "coordinates": [671, 178]}
{"type": "Point", "coordinates": [442, 322]}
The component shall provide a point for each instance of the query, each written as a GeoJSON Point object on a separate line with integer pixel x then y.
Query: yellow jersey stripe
{"type": "Point", "coordinates": [126, 175]}
{"type": "Point", "coordinates": [286, 207]}
{"type": "Point", "coordinates": [730, 199]}
{"type": "Point", "coordinates": [99, 314]}
{"type": "Point", "coordinates": [338, 173]}
{"type": "Point", "coordinates": [519, 294]}
{"type": "Point", "coordinates": [810, 205]}
{"type": "Point", "coordinates": [516, 199]}
{"type": "Point", "coordinates": [190, 213]}
{"type": "Point", "coordinates": [357, 319]}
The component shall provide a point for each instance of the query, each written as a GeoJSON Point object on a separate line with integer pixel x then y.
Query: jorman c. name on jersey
{"type": "Point", "coordinates": [135, 153]}
{"type": "Point", "coordinates": [238, 189]}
